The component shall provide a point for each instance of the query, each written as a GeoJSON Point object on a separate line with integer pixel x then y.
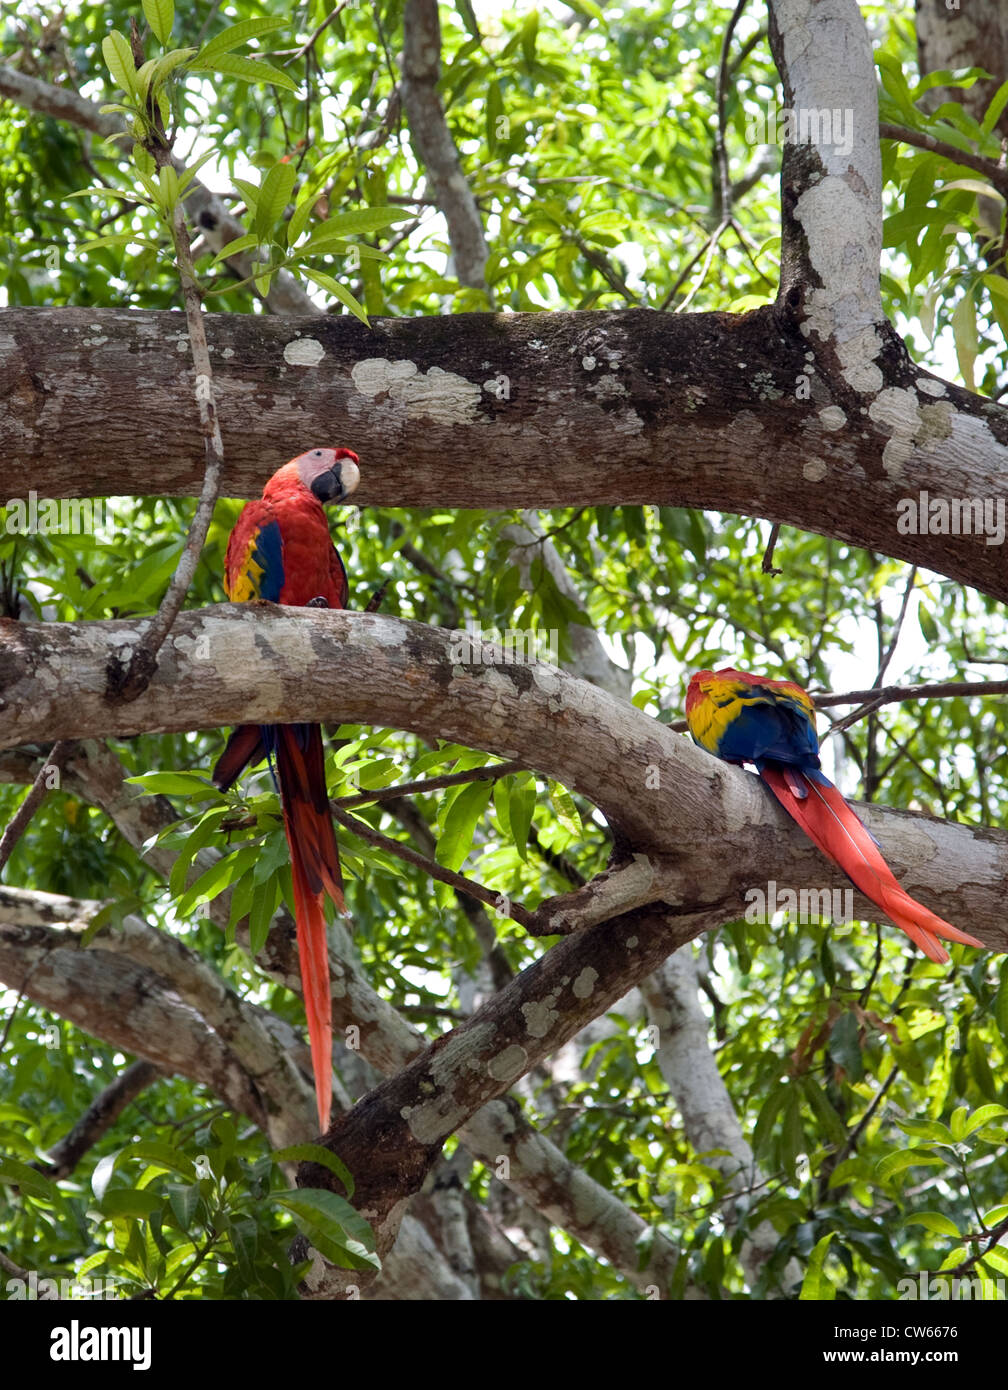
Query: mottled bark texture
{"type": "Point", "coordinates": [751, 413]}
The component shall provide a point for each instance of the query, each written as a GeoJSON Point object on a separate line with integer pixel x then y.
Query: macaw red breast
{"type": "Point", "coordinates": [281, 550]}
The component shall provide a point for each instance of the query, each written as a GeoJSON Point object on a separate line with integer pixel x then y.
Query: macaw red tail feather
{"type": "Point", "coordinates": [315, 868]}
{"type": "Point", "coordinates": [243, 747]}
{"type": "Point", "coordinates": [314, 871]}
{"type": "Point", "coordinates": [833, 826]}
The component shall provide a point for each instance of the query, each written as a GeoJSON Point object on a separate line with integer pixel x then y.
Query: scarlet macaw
{"type": "Point", "coordinates": [280, 550]}
{"type": "Point", "coordinates": [743, 718]}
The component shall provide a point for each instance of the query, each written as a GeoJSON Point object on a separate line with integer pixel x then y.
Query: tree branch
{"type": "Point", "coordinates": [666, 799]}
{"type": "Point", "coordinates": [421, 71]}
{"type": "Point", "coordinates": [632, 380]}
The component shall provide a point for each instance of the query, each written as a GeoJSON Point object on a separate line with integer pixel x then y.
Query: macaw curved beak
{"type": "Point", "coordinates": [337, 483]}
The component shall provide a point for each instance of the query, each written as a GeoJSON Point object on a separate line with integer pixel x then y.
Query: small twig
{"type": "Point", "coordinates": [9, 1267]}
{"type": "Point", "coordinates": [855, 717]}
{"type": "Point", "coordinates": [496, 901]}
{"type": "Point", "coordinates": [559, 863]}
{"type": "Point", "coordinates": [683, 275]}
{"type": "Point", "coordinates": [129, 684]}
{"type": "Point", "coordinates": [719, 136]}
{"type": "Point", "coordinates": [13, 1013]}
{"type": "Point", "coordinates": [433, 784]}
{"type": "Point", "coordinates": [887, 656]}
{"type": "Point", "coordinates": [19, 823]}
{"type": "Point", "coordinates": [768, 564]}
{"type": "Point", "coordinates": [993, 1237]}
{"type": "Point", "coordinates": [987, 167]}
{"type": "Point", "coordinates": [743, 241]}
{"type": "Point", "coordinates": [605, 268]}
{"type": "Point", "coordinates": [316, 34]}
{"type": "Point", "coordinates": [718, 233]}
{"type": "Point", "coordinates": [375, 601]}
{"type": "Point", "coordinates": [898, 694]}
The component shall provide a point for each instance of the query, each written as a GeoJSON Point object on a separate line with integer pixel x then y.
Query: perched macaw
{"type": "Point", "coordinates": [747, 719]}
{"type": "Point", "coordinates": [280, 550]}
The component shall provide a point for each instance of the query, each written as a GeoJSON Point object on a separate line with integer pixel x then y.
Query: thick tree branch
{"type": "Point", "coordinates": [138, 1011]}
{"type": "Point", "coordinates": [391, 1138]}
{"type": "Point", "coordinates": [432, 140]}
{"type": "Point", "coordinates": [668, 800]}
{"type": "Point", "coordinates": [831, 195]}
{"type": "Point", "coordinates": [704, 410]}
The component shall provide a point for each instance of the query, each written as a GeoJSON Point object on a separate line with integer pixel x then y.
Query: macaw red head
{"type": "Point", "coordinates": [331, 475]}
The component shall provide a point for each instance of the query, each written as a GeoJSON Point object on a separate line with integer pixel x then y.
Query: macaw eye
{"type": "Point", "coordinates": [317, 453]}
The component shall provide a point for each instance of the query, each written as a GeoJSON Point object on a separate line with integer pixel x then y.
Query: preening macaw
{"type": "Point", "coordinates": [280, 550]}
{"type": "Point", "coordinates": [747, 719]}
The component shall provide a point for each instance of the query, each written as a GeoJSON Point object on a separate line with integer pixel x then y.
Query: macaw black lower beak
{"type": "Point", "coordinates": [336, 483]}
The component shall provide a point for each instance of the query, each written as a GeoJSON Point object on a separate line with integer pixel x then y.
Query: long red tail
{"type": "Point", "coordinates": [315, 871]}
{"type": "Point", "coordinates": [833, 826]}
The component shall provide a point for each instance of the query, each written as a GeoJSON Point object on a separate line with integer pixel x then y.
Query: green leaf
{"type": "Point", "coordinates": [957, 1124]}
{"type": "Point", "coordinates": [932, 1130]}
{"type": "Point", "coordinates": [964, 335]}
{"type": "Point", "coordinates": [521, 809]}
{"type": "Point", "coordinates": [190, 784]}
{"type": "Point", "coordinates": [303, 208]}
{"type": "Point", "coordinates": [815, 1285]}
{"type": "Point", "coordinates": [468, 15]}
{"type": "Point", "coordinates": [184, 1202]}
{"type": "Point", "coordinates": [820, 1103]}
{"type": "Point", "coordinates": [160, 15]}
{"type": "Point", "coordinates": [249, 191]}
{"type": "Point", "coordinates": [566, 810]}
{"type": "Point", "coordinates": [213, 881]}
{"type": "Point", "coordinates": [977, 186]}
{"type": "Point", "coordinates": [456, 838]}
{"type": "Point", "coordinates": [326, 282]}
{"type": "Point", "coordinates": [934, 1221]}
{"type": "Point", "coordinates": [997, 104]}
{"type": "Point", "coordinates": [29, 1180]}
{"type": "Point", "coordinates": [118, 239]}
{"type": "Point", "coordinates": [189, 172]}
{"type": "Point", "coordinates": [245, 70]}
{"type": "Point", "coordinates": [845, 1046]}
{"type": "Point", "coordinates": [981, 1069]}
{"type": "Point", "coordinates": [238, 34]}
{"type": "Point", "coordinates": [983, 1116]}
{"type": "Point", "coordinates": [264, 904]}
{"type": "Point", "coordinates": [242, 243]}
{"type": "Point", "coordinates": [274, 195]}
{"type": "Point", "coordinates": [359, 222]}
{"type": "Point", "coordinates": [529, 30]}
{"type": "Point", "coordinates": [332, 1226]}
{"type": "Point", "coordinates": [315, 1153]}
{"type": "Point", "coordinates": [130, 1201]}
{"type": "Point", "coordinates": [769, 1111]}
{"type": "Point", "coordinates": [906, 1158]}
{"type": "Point", "coordinates": [119, 60]}
{"type": "Point", "coordinates": [587, 8]}
{"type": "Point", "coordinates": [169, 188]}
{"type": "Point", "coordinates": [928, 626]}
